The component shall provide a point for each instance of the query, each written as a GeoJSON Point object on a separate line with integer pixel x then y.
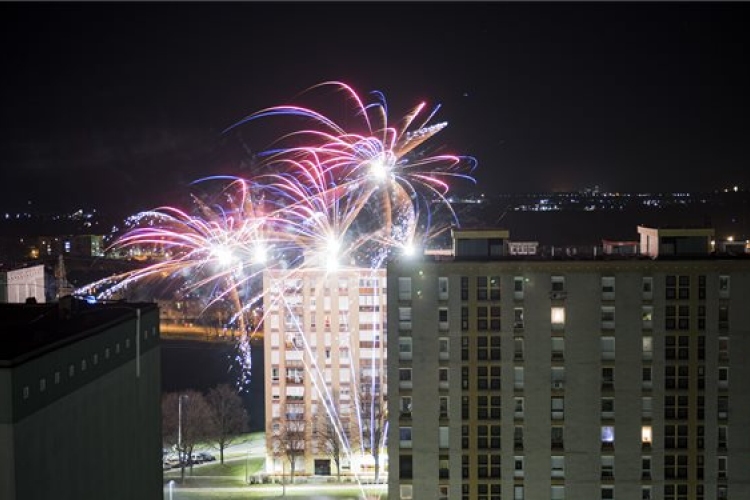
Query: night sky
{"type": "Point", "coordinates": [122, 105]}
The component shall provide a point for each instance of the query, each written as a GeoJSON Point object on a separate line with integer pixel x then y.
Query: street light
{"type": "Point", "coordinates": [179, 431]}
{"type": "Point", "coordinates": [171, 486]}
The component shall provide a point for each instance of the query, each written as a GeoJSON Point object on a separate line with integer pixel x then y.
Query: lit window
{"type": "Point", "coordinates": [608, 434]}
{"type": "Point", "coordinates": [647, 315]}
{"type": "Point", "coordinates": [558, 317]}
{"type": "Point", "coordinates": [646, 435]}
{"type": "Point", "coordinates": [648, 348]}
{"type": "Point", "coordinates": [558, 466]}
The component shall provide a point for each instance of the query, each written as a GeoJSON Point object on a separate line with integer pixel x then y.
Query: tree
{"type": "Point", "coordinates": [289, 440]}
{"type": "Point", "coordinates": [374, 427]}
{"type": "Point", "coordinates": [228, 416]}
{"type": "Point", "coordinates": [186, 420]}
{"type": "Point", "coordinates": [329, 435]}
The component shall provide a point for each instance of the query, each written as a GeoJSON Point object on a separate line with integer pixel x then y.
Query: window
{"type": "Point", "coordinates": [558, 318]}
{"type": "Point", "coordinates": [723, 407]}
{"type": "Point", "coordinates": [608, 492]}
{"type": "Point", "coordinates": [404, 378]}
{"type": "Point", "coordinates": [608, 377]}
{"type": "Point", "coordinates": [464, 288]}
{"type": "Point", "coordinates": [723, 348]}
{"type": "Point", "coordinates": [558, 283]}
{"type": "Point", "coordinates": [443, 318]}
{"type": "Point", "coordinates": [518, 377]}
{"type": "Point", "coordinates": [405, 406]}
{"type": "Point", "coordinates": [647, 377]}
{"type": "Point", "coordinates": [494, 287]}
{"type": "Point", "coordinates": [517, 466]}
{"type": "Point", "coordinates": [648, 288]}
{"type": "Point", "coordinates": [608, 317]}
{"type": "Point", "coordinates": [646, 407]}
{"type": "Point", "coordinates": [557, 437]}
{"type": "Point", "coordinates": [722, 437]}
{"type": "Point", "coordinates": [443, 406]}
{"type": "Point", "coordinates": [518, 287]}
{"type": "Point", "coordinates": [443, 378]}
{"type": "Point", "coordinates": [675, 467]}
{"type": "Point", "coordinates": [648, 348]}
{"type": "Point", "coordinates": [724, 287]}
{"type": "Point", "coordinates": [464, 318]}
{"type": "Point", "coordinates": [404, 348]}
{"type": "Point", "coordinates": [443, 492]}
{"type": "Point", "coordinates": [683, 288]}
{"type": "Point", "coordinates": [518, 318]}
{"type": "Point", "coordinates": [404, 288]}
{"type": "Point", "coordinates": [404, 434]}
{"type": "Point", "coordinates": [608, 467]}
{"type": "Point", "coordinates": [482, 288]}
{"type": "Point", "coordinates": [608, 288]}
{"type": "Point", "coordinates": [558, 378]}
{"type": "Point", "coordinates": [518, 407]}
{"type": "Point", "coordinates": [495, 318]}
{"type": "Point", "coordinates": [443, 437]}
{"type": "Point", "coordinates": [723, 318]}
{"type": "Point", "coordinates": [608, 435]}
{"type": "Point", "coordinates": [442, 288]}
{"type": "Point", "coordinates": [482, 318]}
{"type": "Point", "coordinates": [405, 491]}
{"type": "Point", "coordinates": [71, 370]}
{"type": "Point", "coordinates": [608, 408]}
{"type": "Point", "coordinates": [558, 408]}
{"type": "Point", "coordinates": [608, 348]}
{"type": "Point", "coordinates": [557, 493]}
{"type": "Point", "coordinates": [42, 384]}
{"type": "Point", "coordinates": [558, 348]}
{"type": "Point", "coordinates": [646, 467]}
{"type": "Point", "coordinates": [443, 348]}
{"type": "Point", "coordinates": [405, 467]}
{"type": "Point", "coordinates": [404, 318]}
{"type": "Point", "coordinates": [721, 470]}
{"type": "Point", "coordinates": [647, 316]}
{"type": "Point", "coordinates": [558, 466]}
{"type": "Point", "coordinates": [518, 348]}
{"type": "Point", "coordinates": [646, 435]}
{"type": "Point", "coordinates": [518, 492]}
{"type": "Point", "coordinates": [57, 377]}
{"type": "Point", "coordinates": [518, 437]}
{"type": "Point", "coordinates": [26, 392]}
{"type": "Point", "coordinates": [723, 377]}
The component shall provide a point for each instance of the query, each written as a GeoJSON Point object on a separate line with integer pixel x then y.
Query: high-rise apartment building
{"type": "Point", "coordinates": [608, 377]}
{"type": "Point", "coordinates": [325, 379]}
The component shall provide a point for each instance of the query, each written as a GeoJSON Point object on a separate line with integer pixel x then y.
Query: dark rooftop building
{"type": "Point", "coordinates": [80, 401]}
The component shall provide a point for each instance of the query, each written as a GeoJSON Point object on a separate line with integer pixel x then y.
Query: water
{"type": "Point", "coordinates": [188, 364]}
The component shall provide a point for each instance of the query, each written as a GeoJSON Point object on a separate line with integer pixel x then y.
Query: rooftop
{"type": "Point", "coordinates": [30, 330]}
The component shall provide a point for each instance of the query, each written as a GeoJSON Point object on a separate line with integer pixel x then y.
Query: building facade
{"type": "Point", "coordinates": [600, 378]}
{"type": "Point", "coordinates": [325, 379]}
{"type": "Point", "coordinates": [80, 401]}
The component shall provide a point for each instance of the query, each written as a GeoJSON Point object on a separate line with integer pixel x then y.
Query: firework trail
{"type": "Point", "coordinates": [327, 197]}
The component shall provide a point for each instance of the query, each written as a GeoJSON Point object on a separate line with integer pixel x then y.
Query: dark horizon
{"type": "Point", "coordinates": [122, 105]}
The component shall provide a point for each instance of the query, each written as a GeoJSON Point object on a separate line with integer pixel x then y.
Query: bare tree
{"type": "Point", "coordinates": [329, 440]}
{"type": "Point", "coordinates": [186, 420]}
{"type": "Point", "coordinates": [373, 433]}
{"type": "Point", "coordinates": [289, 440]}
{"type": "Point", "coordinates": [228, 416]}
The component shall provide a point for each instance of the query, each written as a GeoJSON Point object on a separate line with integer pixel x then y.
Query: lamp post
{"type": "Point", "coordinates": [179, 434]}
{"type": "Point", "coordinates": [171, 486]}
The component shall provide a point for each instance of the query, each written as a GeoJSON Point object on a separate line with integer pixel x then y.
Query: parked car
{"type": "Point", "coordinates": [206, 456]}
